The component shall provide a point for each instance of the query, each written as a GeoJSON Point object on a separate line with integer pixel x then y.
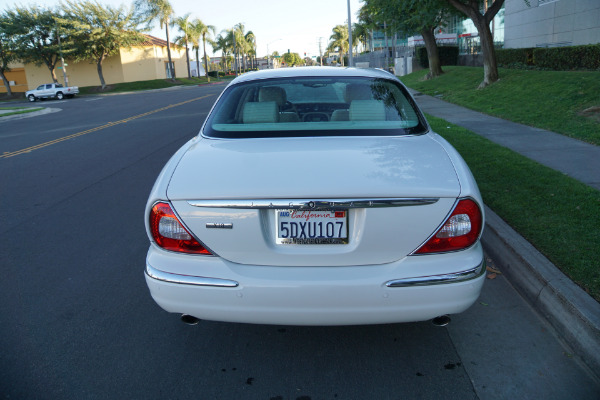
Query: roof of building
{"type": "Point", "coordinates": [154, 41]}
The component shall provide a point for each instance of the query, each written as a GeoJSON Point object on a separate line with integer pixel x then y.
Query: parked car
{"type": "Point", "coordinates": [315, 196]}
{"type": "Point", "coordinates": [51, 91]}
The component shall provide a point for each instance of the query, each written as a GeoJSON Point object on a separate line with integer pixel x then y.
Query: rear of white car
{"type": "Point", "coordinates": [333, 211]}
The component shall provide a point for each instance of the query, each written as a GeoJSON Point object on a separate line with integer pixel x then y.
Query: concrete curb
{"type": "Point", "coordinates": [571, 311]}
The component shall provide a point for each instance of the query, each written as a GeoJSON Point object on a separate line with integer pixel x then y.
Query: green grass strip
{"type": "Point", "coordinates": [147, 85]}
{"type": "Point", "coordinates": [552, 100]}
{"type": "Point", "coordinates": [17, 111]}
{"type": "Point", "coordinates": [559, 215]}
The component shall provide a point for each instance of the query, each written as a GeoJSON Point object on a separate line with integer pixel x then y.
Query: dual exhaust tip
{"type": "Point", "coordinates": [442, 320]}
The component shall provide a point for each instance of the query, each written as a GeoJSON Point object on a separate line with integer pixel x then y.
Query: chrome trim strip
{"type": "Point", "coordinates": [304, 204]}
{"type": "Point", "coordinates": [439, 279]}
{"type": "Point", "coordinates": [188, 279]}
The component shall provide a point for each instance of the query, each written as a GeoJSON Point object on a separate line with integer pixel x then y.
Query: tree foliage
{"type": "Point", "coordinates": [161, 11]}
{"type": "Point", "coordinates": [199, 30]}
{"type": "Point", "coordinates": [34, 32]}
{"type": "Point", "coordinates": [99, 31]}
{"type": "Point", "coordinates": [8, 51]}
{"type": "Point", "coordinates": [413, 16]}
{"type": "Point", "coordinates": [184, 26]}
{"type": "Point", "coordinates": [238, 42]}
{"type": "Point", "coordinates": [338, 41]}
{"type": "Point", "coordinates": [292, 59]}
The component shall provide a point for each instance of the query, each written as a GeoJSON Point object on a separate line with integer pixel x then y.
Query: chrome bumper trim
{"type": "Point", "coordinates": [439, 279]}
{"type": "Point", "coordinates": [188, 279]}
{"type": "Point", "coordinates": [304, 204]}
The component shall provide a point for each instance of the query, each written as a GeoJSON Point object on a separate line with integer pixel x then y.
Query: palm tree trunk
{"type": "Point", "coordinates": [198, 61]}
{"type": "Point", "coordinates": [170, 66]}
{"type": "Point", "coordinates": [205, 59]}
{"type": "Point", "coordinates": [187, 58]}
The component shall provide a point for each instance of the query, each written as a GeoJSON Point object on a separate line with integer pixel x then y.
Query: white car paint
{"type": "Point", "coordinates": [375, 278]}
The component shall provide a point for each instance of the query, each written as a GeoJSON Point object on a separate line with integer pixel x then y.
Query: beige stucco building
{"type": "Point", "coordinates": [144, 62]}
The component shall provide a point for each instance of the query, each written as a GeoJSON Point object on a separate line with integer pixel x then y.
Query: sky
{"type": "Point", "coordinates": [278, 24]}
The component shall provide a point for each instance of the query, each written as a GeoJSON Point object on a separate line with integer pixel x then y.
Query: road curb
{"type": "Point", "coordinates": [571, 311]}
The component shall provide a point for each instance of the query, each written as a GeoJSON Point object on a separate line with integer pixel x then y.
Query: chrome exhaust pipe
{"type": "Point", "coordinates": [189, 319]}
{"type": "Point", "coordinates": [442, 320]}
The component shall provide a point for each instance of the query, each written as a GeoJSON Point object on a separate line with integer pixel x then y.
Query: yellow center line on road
{"type": "Point", "coordinates": [108, 125]}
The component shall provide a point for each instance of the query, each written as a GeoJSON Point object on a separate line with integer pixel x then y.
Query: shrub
{"type": "Point", "coordinates": [553, 58]}
{"type": "Point", "coordinates": [514, 57]}
{"type": "Point", "coordinates": [213, 74]}
{"type": "Point", "coordinates": [448, 55]}
{"type": "Point", "coordinates": [568, 58]}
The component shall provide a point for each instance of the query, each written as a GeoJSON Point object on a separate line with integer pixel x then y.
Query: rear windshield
{"type": "Point", "coordinates": [314, 106]}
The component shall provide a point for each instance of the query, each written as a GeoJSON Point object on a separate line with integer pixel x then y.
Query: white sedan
{"type": "Point", "coordinates": [315, 196]}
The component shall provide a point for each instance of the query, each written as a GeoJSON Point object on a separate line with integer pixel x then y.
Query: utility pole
{"type": "Point", "coordinates": [320, 52]}
{"type": "Point", "coordinates": [350, 61]}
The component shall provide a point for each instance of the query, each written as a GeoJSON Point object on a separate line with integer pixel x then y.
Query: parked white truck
{"type": "Point", "coordinates": [51, 91]}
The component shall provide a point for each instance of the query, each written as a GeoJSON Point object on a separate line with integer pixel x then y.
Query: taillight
{"type": "Point", "coordinates": [460, 230]}
{"type": "Point", "coordinates": [170, 234]}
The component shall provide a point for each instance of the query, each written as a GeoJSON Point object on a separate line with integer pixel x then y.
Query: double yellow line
{"type": "Point", "coordinates": [108, 125]}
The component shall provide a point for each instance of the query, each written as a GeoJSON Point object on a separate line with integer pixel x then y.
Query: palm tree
{"type": "Point", "coordinates": [360, 34]}
{"type": "Point", "coordinates": [222, 43]}
{"type": "Point", "coordinates": [339, 40]}
{"type": "Point", "coordinates": [250, 45]}
{"type": "Point", "coordinates": [183, 24]}
{"type": "Point", "coordinates": [201, 30]}
{"type": "Point", "coordinates": [241, 41]}
{"type": "Point", "coordinates": [162, 11]}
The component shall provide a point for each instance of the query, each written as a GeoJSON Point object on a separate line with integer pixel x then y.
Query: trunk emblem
{"type": "Point", "coordinates": [213, 225]}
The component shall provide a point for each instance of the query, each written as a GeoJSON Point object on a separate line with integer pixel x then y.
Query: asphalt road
{"type": "Point", "coordinates": [77, 320]}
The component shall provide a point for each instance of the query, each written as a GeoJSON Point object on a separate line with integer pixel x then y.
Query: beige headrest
{"type": "Point", "coordinates": [255, 113]}
{"type": "Point", "coordinates": [357, 91]}
{"type": "Point", "coordinates": [272, 93]}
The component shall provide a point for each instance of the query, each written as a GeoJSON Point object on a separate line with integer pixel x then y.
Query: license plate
{"type": "Point", "coordinates": [311, 227]}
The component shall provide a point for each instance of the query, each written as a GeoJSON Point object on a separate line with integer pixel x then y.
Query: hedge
{"type": "Point", "coordinates": [448, 55]}
{"type": "Point", "coordinates": [553, 58]}
{"type": "Point", "coordinates": [507, 57]}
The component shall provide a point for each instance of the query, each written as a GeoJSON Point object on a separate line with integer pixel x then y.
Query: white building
{"type": "Point", "coordinates": [551, 23]}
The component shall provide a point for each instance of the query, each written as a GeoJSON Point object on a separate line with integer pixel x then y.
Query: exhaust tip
{"type": "Point", "coordinates": [189, 319]}
{"type": "Point", "coordinates": [442, 320]}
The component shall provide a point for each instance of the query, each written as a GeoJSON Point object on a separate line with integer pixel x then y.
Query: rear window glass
{"type": "Point", "coordinates": [314, 106]}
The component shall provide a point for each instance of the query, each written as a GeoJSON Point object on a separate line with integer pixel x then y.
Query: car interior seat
{"type": "Point", "coordinates": [277, 94]}
{"type": "Point", "coordinates": [354, 91]}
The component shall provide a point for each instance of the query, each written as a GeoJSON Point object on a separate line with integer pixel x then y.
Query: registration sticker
{"type": "Point", "coordinates": [311, 227]}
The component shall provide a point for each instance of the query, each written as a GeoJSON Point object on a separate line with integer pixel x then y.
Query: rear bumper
{"type": "Point", "coordinates": [356, 295]}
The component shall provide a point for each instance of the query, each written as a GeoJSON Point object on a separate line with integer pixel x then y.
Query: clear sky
{"type": "Point", "coordinates": [299, 24]}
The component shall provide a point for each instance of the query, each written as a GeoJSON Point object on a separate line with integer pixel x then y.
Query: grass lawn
{"type": "Point", "coordinates": [557, 214]}
{"type": "Point", "coordinates": [146, 85]}
{"type": "Point", "coordinates": [552, 100]}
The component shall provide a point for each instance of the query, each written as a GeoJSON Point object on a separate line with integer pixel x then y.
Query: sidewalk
{"type": "Point", "coordinates": [571, 311]}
